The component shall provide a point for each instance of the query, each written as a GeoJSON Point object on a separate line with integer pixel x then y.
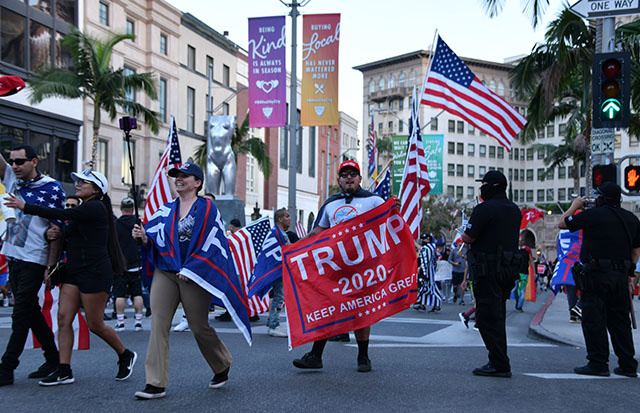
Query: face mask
{"type": "Point", "coordinates": [487, 192]}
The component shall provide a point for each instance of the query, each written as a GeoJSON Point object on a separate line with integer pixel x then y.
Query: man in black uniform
{"type": "Point", "coordinates": [610, 249]}
{"type": "Point", "coordinates": [493, 233]}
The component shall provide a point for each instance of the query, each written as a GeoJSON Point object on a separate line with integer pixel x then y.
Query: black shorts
{"type": "Point", "coordinates": [93, 280]}
{"type": "Point", "coordinates": [127, 284]}
{"type": "Point", "coordinates": [457, 277]}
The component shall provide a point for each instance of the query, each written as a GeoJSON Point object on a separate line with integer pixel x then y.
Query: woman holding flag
{"type": "Point", "coordinates": [186, 244]}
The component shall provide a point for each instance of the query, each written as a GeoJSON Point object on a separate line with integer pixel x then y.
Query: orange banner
{"type": "Point", "coordinates": [320, 40]}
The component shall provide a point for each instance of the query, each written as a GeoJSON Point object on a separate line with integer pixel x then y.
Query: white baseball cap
{"type": "Point", "coordinates": [94, 177]}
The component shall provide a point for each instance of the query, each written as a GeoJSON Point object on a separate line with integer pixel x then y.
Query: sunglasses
{"type": "Point", "coordinates": [351, 174]}
{"type": "Point", "coordinates": [19, 161]}
{"type": "Point", "coordinates": [68, 205]}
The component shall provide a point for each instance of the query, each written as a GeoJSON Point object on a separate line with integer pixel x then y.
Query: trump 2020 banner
{"type": "Point", "coordinates": [349, 276]}
{"type": "Point", "coordinates": [267, 72]}
{"type": "Point", "coordinates": [320, 40]}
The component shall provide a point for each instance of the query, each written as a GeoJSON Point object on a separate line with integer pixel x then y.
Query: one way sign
{"type": "Point", "coordinates": [598, 9]}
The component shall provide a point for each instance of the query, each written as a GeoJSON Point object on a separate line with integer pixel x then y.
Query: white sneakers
{"type": "Point", "coordinates": [277, 332]}
{"type": "Point", "coordinates": [183, 325]}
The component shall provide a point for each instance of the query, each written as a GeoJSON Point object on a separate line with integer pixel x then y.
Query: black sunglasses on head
{"type": "Point", "coordinates": [18, 161]}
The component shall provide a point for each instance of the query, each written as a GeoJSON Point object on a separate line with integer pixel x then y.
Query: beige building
{"type": "Point", "coordinates": [349, 142]}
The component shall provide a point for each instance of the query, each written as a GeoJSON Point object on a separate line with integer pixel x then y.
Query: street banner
{"type": "Point", "coordinates": [349, 276]}
{"type": "Point", "coordinates": [433, 145]}
{"type": "Point", "coordinates": [267, 72]}
{"type": "Point", "coordinates": [320, 40]}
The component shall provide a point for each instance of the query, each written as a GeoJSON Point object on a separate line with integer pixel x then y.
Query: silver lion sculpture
{"type": "Point", "coordinates": [221, 162]}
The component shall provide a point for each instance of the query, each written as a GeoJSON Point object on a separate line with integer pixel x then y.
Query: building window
{"type": "Point", "coordinates": [451, 148]}
{"type": "Point", "coordinates": [515, 196]}
{"type": "Point", "coordinates": [380, 128]}
{"type": "Point", "coordinates": [550, 194]}
{"type": "Point", "coordinates": [529, 174]}
{"type": "Point", "coordinates": [434, 124]}
{"type": "Point", "coordinates": [492, 151]}
{"type": "Point", "coordinates": [163, 44]}
{"type": "Point", "coordinates": [471, 129]}
{"type": "Point", "coordinates": [451, 191]}
{"type": "Point", "coordinates": [483, 150]}
{"type": "Point", "coordinates": [562, 173]}
{"type": "Point", "coordinates": [459, 170]}
{"type": "Point", "coordinates": [251, 173]}
{"type": "Point", "coordinates": [540, 195]}
{"type": "Point", "coordinates": [459, 192]}
{"type": "Point", "coordinates": [126, 168]}
{"type": "Point", "coordinates": [460, 148]}
{"type": "Point", "coordinates": [101, 157]}
{"type": "Point", "coordinates": [312, 151]}
{"type": "Point", "coordinates": [470, 192]}
{"type": "Point", "coordinates": [162, 97]}
{"type": "Point", "coordinates": [471, 171]}
{"type": "Point", "coordinates": [103, 13]}
{"type": "Point", "coordinates": [225, 75]}
{"type": "Point", "coordinates": [209, 67]}
{"type": "Point", "coordinates": [540, 153]}
{"type": "Point", "coordinates": [562, 129]}
{"type": "Point", "coordinates": [372, 86]}
{"type": "Point", "coordinates": [516, 153]}
{"type": "Point", "coordinates": [570, 171]}
{"type": "Point", "coordinates": [392, 81]}
{"type": "Point", "coordinates": [401, 104]}
{"type": "Point", "coordinates": [460, 127]}
{"type": "Point", "coordinates": [131, 27]}
{"type": "Point", "coordinates": [451, 169]}
{"type": "Point", "coordinates": [225, 108]}
{"type": "Point", "coordinates": [381, 84]}
{"type": "Point", "coordinates": [562, 194]}
{"type": "Point", "coordinates": [401, 80]}
{"type": "Point", "coordinates": [541, 174]}
{"type": "Point", "coordinates": [400, 126]}
{"type": "Point", "coordinates": [130, 93]}
{"type": "Point", "coordinates": [191, 58]}
{"type": "Point", "coordinates": [550, 131]}
{"type": "Point", "coordinates": [510, 174]}
{"type": "Point", "coordinates": [482, 170]}
{"type": "Point", "coordinates": [471, 149]}
{"type": "Point", "coordinates": [529, 195]}
{"type": "Point", "coordinates": [530, 154]}
{"type": "Point", "coordinates": [501, 89]}
{"type": "Point", "coordinates": [191, 109]}
{"type": "Point", "coordinates": [516, 175]}
{"type": "Point", "coordinates": [390, 126]}
{"type": "Point", "coordinates": [549, 174]}
{"type": "Point", "coordinates": [500, 152]}
{"type": "Point", "coordinates": [452, 126]}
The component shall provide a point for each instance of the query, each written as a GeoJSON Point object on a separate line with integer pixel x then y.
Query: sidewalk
{"type": "Point", "coordinates": [552, 323]}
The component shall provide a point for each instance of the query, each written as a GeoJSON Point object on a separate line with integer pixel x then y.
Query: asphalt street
{"type": "Point", "coordinates": [421, 362]}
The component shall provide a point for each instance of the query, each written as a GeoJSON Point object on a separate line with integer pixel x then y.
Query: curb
{"type": "Point", "coordinates": [536, 330]}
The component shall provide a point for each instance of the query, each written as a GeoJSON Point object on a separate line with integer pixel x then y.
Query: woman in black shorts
{"type": "Point", "coordinates": [93, 254]}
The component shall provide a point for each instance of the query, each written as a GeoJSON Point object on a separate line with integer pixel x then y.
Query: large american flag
{"type": "Point", "coordinates": [415, 179]}
{"type": "Point", "coordinates": [453, 87]}
{"type": "Point", "coordinates": [372, 150]}
{"type": "Point", "coordinates": [160, 194]}
{"type": "Point", "coordinates": [245, 245]}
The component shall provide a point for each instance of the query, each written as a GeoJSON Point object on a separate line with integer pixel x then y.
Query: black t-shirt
{"type": "Point", "coordinates": [603, 235]}
{"type": "Point", "coordinates": [129, 246]}
{"type": "Point", "coordinates": [493, 223]}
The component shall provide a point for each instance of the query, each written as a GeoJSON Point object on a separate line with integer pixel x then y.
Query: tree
{"type": "Point", "coordinates": [439, 215]}
{"type": "Point", "coordinates": [241, 146]}
{"type": "Point", "coordinates": [92, 77]}
{"type": "Point", "coordinates": [534, 9]}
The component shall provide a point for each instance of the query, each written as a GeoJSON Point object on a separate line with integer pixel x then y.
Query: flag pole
{"type": "Point", "coordinates": [432, 52]}
{"type": "Point", "coordinates": [384, 170]}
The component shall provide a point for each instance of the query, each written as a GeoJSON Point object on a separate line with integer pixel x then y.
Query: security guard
{"type": "Point", "coordinates": [610, 247]}
{"type": "Point", "coordinates": [493, 233]}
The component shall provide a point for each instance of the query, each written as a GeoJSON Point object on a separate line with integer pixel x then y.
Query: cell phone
{"type": "Point", "coordinates": [590, 203]}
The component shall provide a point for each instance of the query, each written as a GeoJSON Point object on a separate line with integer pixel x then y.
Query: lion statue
{"type": "Point", "coordinates": [221, 162]}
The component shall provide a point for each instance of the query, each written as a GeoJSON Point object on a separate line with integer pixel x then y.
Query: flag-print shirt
{"type": "Point", "coordinates": [342, 207]}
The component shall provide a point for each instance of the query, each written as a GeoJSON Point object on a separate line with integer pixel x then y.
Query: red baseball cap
{"type": "Point", "coordinates": [10, 85]}
{"type": "Point", "coordinates": [349, 164]}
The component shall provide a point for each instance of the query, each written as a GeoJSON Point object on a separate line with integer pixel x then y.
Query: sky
{"type": "Point", "coordinates": [372, 30]}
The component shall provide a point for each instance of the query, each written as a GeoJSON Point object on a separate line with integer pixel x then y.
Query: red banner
{"type": "Point", "coordinates": [349, 276]}
{"type": "Point", "coordinates": [530, 215]}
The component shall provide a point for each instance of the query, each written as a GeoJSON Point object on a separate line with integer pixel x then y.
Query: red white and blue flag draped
{"type": "Point", "coordinates": [568, 250]}
{"type": "Point", "coordinates": [269, 264]}
{"type": "Point", "coordinates": [246, 245]}
{"type": "Point", "coordinates": [159, 192]}
{"type": "Point", "coordinates": [415, 179]}
{"type": "Point", "coordinates": [45, 192]}
{"type": "Point", "coordinates": [372, 150]}
{"type": "Point", "coordinates": [48, 301]}
{"type": "Point", "coordinates": [208, 261]}
{"type": "Point", "coordinates": [453, 87]}
{"type": "Point", "coordinates": [383, 188]}
{"type": "Point", "coordinates": [530, 215]}
{"type": "Point", "coordinates": [349, 276]}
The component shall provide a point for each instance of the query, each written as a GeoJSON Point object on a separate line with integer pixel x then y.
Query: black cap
{"type": "Point", "coordinates": [494, 178]}
{"type": "Point", "coordinates": [189, 169]}
{"type": "Point", "coordinates": [609, 190]}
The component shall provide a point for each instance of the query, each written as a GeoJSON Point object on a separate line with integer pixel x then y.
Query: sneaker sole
{"type": "Point", "coordinates": [56, 383]}
{"type": "Point", "coordinates": [149, 396]}
{"type": "Point", "coordinates": [463, 320]}
{"type": "Point", "coordinates": [218, 385]}
{"type": "Point", "coordinates": [133, 362]}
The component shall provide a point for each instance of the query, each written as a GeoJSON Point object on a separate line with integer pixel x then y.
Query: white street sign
{"type": "Point", "coordinates": [599, 9]}
{"type": "Point", "coordinates": [602, 141]}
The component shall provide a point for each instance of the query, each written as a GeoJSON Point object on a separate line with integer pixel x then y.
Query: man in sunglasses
{"type": "Point", "coordinates": [71, 201]}
{"type": "Point", "coordinates": [349, 203]}
{"type": "Point", "coordinates": [29, 254]}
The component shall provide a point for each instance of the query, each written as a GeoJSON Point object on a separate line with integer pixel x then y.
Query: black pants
{"type": "Point", "coordinates": [605, 306]}
{"type": "Point", "coordinates": [26, 279]}
{"type": "Point", "coordinates": [491, 292]}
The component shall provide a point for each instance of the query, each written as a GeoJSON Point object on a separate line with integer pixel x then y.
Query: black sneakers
{"type": "Point", "coordinates": [489, 371]}
{"type": "Point", "coordinates": [464, 319]}
{"type": "Point", "coordinates": [151, 392]}
{"type": "Point", "coordinates": [6, 377]}
{"type": "Point", "coordinates": [45, 370]}
{"type": "Point", "coordinates": [591, 371]}
{"type": "Point", "coordinates": [60, 376]}
{"type": "Point", "coordinates": [364, 364]}
{"type": "Point", "coordinates": [220, 379]}
{"type": "Point", "coordinates": [125, 364]}
{"type": "Point", "coordinates": [308, 361]}
{"type": "Point", "coordinates": [628, 373]}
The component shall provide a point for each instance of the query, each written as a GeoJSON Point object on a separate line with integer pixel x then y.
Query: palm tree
{"type": "Point", "coordinates": [241, 146]}
{"type": "Point", "coordinates": [534, 9]}
{"type": "Point", "coordinates": [92, 77]}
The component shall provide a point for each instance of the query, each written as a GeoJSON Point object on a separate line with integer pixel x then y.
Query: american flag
{"type": "Point", "coordinates": [372, 150]}
{"type": "Point", "coordinates": [415, 179]}
{"type": "Point", "coordinates": [300, 231]}
{"type": "Point", "coordinates": [245, 245]}
{"type": "Point", "coordinates": [453, 87]}
{"type": "Point", "coordinates": [160, 194]}
{"type": "Point", "coordinates": [383, 188]}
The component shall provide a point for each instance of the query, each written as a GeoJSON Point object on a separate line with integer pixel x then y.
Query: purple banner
{"type": "Point", "coordinates": [267, 72]}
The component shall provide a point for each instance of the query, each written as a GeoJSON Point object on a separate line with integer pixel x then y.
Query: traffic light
{"type": "Point", "coordinates": [611, 89]}
{"type": "Point", "coordinates": [632, 177]}
{"type": "Point", "coordinates": [603, 173]}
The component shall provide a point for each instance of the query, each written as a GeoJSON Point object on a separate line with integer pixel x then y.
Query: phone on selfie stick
{"type": "Point", "coordinates": [127, 123]}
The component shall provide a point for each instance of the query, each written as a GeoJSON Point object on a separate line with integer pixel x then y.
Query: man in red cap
{"type": "Point", "coordinates": [349, 203]}
{"type": "Point", "coordinates": [10, 85]}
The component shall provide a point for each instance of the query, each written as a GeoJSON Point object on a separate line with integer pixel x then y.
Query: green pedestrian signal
{"type": "Point", "coordinates": [611, 89]}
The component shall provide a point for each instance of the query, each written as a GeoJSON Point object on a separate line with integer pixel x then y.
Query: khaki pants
{"type": "Point", "coordinates": [166, 292]}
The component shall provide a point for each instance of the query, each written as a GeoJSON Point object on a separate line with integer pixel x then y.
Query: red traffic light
{"type": "Point", "coordinates": [632, 177]}
{"type": "Point", "coordinates": [611, 68]}
{"type": "Point", "coordinates": [603, 173]}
